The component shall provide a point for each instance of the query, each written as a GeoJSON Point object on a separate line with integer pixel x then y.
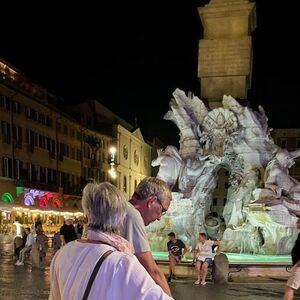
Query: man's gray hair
{"type": "Point", "coordinates": [104, 206]}
{"type": "Point", "coordinates": [153, 186]}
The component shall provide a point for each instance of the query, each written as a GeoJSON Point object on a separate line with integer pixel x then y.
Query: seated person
{"type": "Point", "coordinates": [203, 257]}
{"type": "Point", "coordinates": [21, 243]}
{"type": "Point", "coordinates": [30, 240]}
{"type": "Point", "coordinates": [175, 247]}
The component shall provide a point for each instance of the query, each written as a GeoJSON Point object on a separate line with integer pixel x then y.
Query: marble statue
{"type": "Point", "coordinates": [279, 186]}
{"type": "Point", "coordinates": [168, 159]}
{"type": "Point", "coordinates": [262, 198]}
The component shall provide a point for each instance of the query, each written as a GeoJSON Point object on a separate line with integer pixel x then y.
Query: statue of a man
{"type": "Point", "coordinates": [169, 162]}
{"type": "Point", "coordinates": [279, 187]}
{"type": "Point", "coordinates": [277, 178]}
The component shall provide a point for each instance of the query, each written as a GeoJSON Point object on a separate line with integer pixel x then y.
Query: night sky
{"type": "Point", "coordinates": [131, 58]}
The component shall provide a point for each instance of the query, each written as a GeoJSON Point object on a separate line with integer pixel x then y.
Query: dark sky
{"type": "Point", "coordinates": [131, 58]}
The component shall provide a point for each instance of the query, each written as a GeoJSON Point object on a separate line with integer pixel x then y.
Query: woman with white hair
{"type": "Point", "coordinates": [120, 275]}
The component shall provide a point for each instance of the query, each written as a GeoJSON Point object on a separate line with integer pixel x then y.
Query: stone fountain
{"type": "Point", "coordinates": [262, 199]}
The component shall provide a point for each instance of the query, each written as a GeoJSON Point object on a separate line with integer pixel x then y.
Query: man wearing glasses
{"type": "Point", "coordinates": [149, 202]}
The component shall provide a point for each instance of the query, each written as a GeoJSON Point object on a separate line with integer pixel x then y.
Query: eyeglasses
{"type": "Point", "coordinates": [163, 210]}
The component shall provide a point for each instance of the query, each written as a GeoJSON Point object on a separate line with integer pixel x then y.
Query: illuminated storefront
{"type": "Point", "coordinates": [33, 204]}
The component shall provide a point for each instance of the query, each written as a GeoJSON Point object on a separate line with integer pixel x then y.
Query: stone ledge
{"type": "Point", "coordinates": [237, 271]}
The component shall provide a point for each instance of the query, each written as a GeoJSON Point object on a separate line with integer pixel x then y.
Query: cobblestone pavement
{"type": "Point", "coordinates": [20, 282]}
{"type": "Point", "coordinates": [26, 283]}
{"type": "Point", "coordinates": [186, 290]}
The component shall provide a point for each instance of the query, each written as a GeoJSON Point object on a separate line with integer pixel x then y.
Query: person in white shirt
{"type": "Point", "coordinates": [30, 240]}
{"type": "Point", "coordinates": [120, 276]}
{"type": "Point", "coordinates": [203, 257]}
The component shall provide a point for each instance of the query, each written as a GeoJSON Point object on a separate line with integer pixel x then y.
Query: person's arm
{"type": "Point", "coordinates": [185, 249]}
{"type": "Point", "coordinates": [62, 240]}
{"type": "Point", "coordinates": [170, 253]}
{"type": "Point", "coordinates": [218, 244]}
{"type": "Point", "coordinates": [62, 236]}
{"type": "Point", "coordinates": [195, 253]}
{"type": "Point", "coordinates": [147, 260]}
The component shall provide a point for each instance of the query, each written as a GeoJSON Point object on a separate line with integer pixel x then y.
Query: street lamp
{"type": "Point", "coordinates": [112, 171]}
{"type": "Point", "coordinates": [112, 151]}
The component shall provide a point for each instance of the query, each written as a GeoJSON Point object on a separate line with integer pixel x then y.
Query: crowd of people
{"type": "Point", "coordinates": [71, 230]}
{"type": "Point", "coordinates": [28, 240]}
{"type": "Point", "coordinates": [115, 228]}
{"type": "Point", "coordinates": [115, 242]}
{"type": "Point", "coordinates": [115, 231]}
{"type": "Point", "coordinates": [30, 236]}
{"type": "Point", "coordinates": [202, 255]}
{"type": "Point", "coordinates": [111, 248]}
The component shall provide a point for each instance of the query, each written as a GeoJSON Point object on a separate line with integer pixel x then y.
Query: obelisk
{"type": "Point", "coordinates": [225, 52]}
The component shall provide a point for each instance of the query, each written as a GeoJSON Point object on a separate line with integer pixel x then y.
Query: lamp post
{"type": "Point", "coordinates": [112, 161]}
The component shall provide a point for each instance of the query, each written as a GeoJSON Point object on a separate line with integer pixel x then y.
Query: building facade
{"type": "Point", "coordinates": [129, 156]}
{"type": "Point", "coordinates": [46, 156]}
{"type": "Point", "coordinates": [133, 159]}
